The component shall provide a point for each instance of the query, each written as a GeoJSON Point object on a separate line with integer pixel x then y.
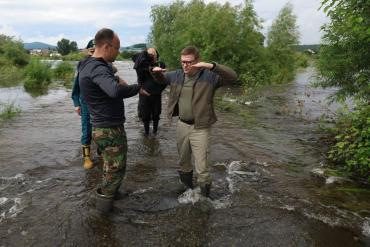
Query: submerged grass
{"type": "Point", "coordinates": [38, 75]}
{"type": "Point", "coordinates": [7, 112]}
{"type": "Point", "coordinates": [65, 71]}
{"type": "Point", "coordinates": [10, 76]}
{"type": "Point", "coordinates": [239, 105]}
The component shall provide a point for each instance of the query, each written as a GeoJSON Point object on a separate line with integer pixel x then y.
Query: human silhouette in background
{"type": "Point", "coordinates": [149, 107]}
{"type": "Point", "coordinates": [82, 110]}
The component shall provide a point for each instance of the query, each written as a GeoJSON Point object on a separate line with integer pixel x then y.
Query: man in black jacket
{"type": "Point", "coordinates": [104, 93]}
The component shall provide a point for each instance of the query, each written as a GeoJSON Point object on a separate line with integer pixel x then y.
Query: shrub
{"type": "Point", "coordinates": [352, 142]}
{"type": "Point", "coordinates": [75, 56]}
{"type": "Point", "coordinates": [64, 71]}
{"type": "Point", "coordinates": [38, 75]}
{"type": "Point", "coordinates": [10, 75]}
{"type": "Point", "coordinates": [301, 60]}
{"type": "Point", "coordinates": [8, 111]}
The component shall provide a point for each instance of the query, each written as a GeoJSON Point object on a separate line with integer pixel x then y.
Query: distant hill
{"type": "Point", "coordinates": [38, 45]}
{"type": "Point", "coordinates": [134, 48]}
{"type": "Point", "coordinates": [315, 48]}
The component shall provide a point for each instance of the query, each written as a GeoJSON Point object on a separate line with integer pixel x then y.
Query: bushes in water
{"type": "Point", "coordinates": [7, 112]}
{"type": "Point", "coordinates": [352, 142]}
{"type": "Point", "coordinates": [64, 71]}
{"type": "Point", "coordinates": [37, 75]}
{"type": "Point", "coordinates": [13, 57]}
{"type": "Point", "coordinates": [74, 56]}
{"type": "Point", "coordinates": [344, 63]}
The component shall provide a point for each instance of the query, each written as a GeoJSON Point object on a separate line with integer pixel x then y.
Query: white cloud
{"type": "Point", "coordinates": [54, 18]}
{"type": "Point", "coordinates": [9, 31]}
{"type": "Point", "coordinates": [129, 40]}
{"type": "Point", "coordinates": [51, 40]}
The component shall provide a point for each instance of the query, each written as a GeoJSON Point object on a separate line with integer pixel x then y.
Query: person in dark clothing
{"type": "Point", "coordinates": [81, 110]}
{"type": "Point", "coordinates": [104, 92]}
{"type": "Point", "coordinates": [149, 107]}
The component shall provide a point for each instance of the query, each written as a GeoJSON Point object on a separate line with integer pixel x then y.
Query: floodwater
{"type": "Point", "coordinates": [263, 193]}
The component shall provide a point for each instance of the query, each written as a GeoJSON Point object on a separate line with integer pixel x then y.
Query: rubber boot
{"type": "Point", "coordinates": [205, 190]}
{"type": "Point", "coordinates": [104, 203]}
{"type": "Point", "coordinates": [187, 178]}
{"type": "Point", "coordinates": [146, 128]}
{"type": "Point", "coordinates": [88, 164]}
{"type": "Point", "coordinates": [155, 126]}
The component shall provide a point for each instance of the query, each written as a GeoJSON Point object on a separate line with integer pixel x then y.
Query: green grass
{"type": "Point", "coordinates": [8, 112]}
{"type": "Point", "coordinates": [10, 75]}
{"type": "Point", "coordinates": [37, 75]}
{"type": "Point", "coordinates": [65, 72]}
{"type": "Point", "coordinates": [238, 108]}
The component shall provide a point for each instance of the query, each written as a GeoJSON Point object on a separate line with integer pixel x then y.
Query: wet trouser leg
{"type": "Point", "coordinates": [156, 111]}
{"type": "Point", "coordinates": [145, 111]}
{"type": "Point", "coordinates": [113, 144]}
{"type": "Point", "coordinates": [86, 125]}
{"type": "Point", "coordinates": [196, 142]}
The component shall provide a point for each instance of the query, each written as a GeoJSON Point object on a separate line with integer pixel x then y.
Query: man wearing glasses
{"type": "Point", "coordinates": [191, 98]}
{"type": "Point", "coordinates": [103, 93]}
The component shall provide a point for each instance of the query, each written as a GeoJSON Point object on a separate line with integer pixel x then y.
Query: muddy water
{"type": "Point", "coordinates": [263, 194]}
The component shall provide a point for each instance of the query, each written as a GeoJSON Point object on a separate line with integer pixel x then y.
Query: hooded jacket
{"type": "Point", "coordinates": [102, 93]}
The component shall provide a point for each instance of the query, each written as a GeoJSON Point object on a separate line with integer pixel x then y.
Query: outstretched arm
{"type": "Point", "coordinates": [225, 74]}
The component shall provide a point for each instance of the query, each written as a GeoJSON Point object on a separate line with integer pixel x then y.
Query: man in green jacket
{"type": "Point", "coordinates": [192, 89]}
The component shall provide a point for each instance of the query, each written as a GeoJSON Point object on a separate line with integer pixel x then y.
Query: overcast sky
{"type": "Point", "coordinates": [50, 20]}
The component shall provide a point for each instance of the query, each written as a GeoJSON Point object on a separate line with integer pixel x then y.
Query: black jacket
{"type": "Point", "coordinates": [143, 62]}
{"type": "Point", "coordinates": [102, 93]}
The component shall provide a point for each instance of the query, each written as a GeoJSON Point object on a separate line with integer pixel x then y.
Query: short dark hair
{"type": "Point", "coordinates": [191, 50]}
{"type": "Point", "coordinates": [104, 35]}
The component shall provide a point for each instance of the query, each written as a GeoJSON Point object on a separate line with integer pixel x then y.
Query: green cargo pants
{"type": "Point", "coordinates": [113, 144]}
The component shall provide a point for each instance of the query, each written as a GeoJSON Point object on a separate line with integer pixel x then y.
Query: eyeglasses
{"type": "Point", "coordinates": [183, 62]}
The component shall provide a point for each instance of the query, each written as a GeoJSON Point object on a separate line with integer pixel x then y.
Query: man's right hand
{"type": "Point", "coordinates": [158, 69]}
{"type": "Point", "coordinates": [78, 110]}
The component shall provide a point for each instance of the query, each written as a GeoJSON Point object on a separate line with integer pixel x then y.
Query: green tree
{"type": "Point", "coordinates": [13, 51]}
{"type": "Point", "coordinates": [13, 57]}
{"type": "Point", "coordinates": [282, 39]}
{"type": "Point", "coordinates": [73, 46]}
{"type": "Point", "coordinates": [344, 56]}
{"type": "Point", "coordinates": [344, 63]}
{"type": "Point", "coordinates": [64, 46]}
{"type": "Point", "coordinates": [226, 34]}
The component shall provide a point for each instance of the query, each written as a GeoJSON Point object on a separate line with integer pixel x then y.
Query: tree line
{"type": "Point", "coordinates": [230, 35]}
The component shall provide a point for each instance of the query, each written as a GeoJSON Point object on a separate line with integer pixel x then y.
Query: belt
{"type": "Point", "coordinates": [189, 122]}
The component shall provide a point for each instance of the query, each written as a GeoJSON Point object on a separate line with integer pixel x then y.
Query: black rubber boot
{"type": "Point", "coordinates": [104, 203]}
{"type": "Point", "coordinates": [187, 178]}
{"type": "Point", "coordinates": [205, 190]}
{"type": "Point", "coordinates": [155, 126]}
{"type": "Point", "coordinates": [146, 128]}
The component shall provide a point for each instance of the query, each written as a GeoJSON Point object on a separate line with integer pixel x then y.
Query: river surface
{"type": "Point", "coordinates": [263, 193]}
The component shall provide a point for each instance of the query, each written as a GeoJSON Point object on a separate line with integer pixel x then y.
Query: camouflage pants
{"type": "Point", "coordinates": [113, 144]}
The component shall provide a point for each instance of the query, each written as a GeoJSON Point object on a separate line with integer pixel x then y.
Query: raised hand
{"type": "Point", "coordinates": [203, 65]}
{"type": "Point", "coordinates": [158, 69]}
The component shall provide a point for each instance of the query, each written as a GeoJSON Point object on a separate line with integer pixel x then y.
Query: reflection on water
{"type": "Point", "coordinates": [25, 101]}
